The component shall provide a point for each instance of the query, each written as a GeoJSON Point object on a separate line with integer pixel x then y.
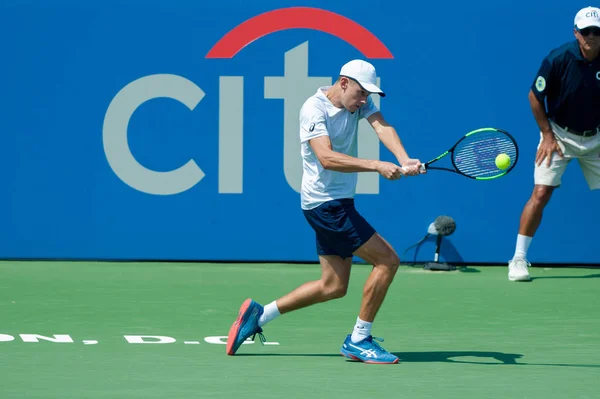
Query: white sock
{"type": "Point", "coordinates": [523, 243]}
{"type": "Point", "coordinates": [362, 330]}
{"type": "Point", "coordinates": [271, 311]}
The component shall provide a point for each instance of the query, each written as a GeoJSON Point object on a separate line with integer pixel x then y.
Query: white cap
{"type": "Point", "coordinates": [586, 17]}
{"type": "Point", "coordinates": [364, 74]}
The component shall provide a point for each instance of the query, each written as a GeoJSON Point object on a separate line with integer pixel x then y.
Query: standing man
{"type": "Point", "coordinates": [328, 134]}
{"type": "Point", "coordinates": [569, 81]}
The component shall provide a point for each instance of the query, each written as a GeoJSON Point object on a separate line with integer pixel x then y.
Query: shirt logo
{"type": "Point", "coordinates": [312, 127]}
{"type": "Point", "coordinates": [540, 83]}
{"type": "Point", "coordinates": [598, 75]}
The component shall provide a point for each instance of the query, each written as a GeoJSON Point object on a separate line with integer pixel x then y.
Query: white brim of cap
{"type": "Point", "coordinates": [587, 24]}
{"type": "Point", "coordinates": [371, 88]}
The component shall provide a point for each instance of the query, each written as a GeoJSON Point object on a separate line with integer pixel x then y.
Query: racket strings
{"type": "Point", "coordinates": [476, 155]}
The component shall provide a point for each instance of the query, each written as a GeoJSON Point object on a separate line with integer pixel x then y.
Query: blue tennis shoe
{"type": "Point", "coordinates": [245, 325]}
{"type": "Point", "coordinates": [367, 351]}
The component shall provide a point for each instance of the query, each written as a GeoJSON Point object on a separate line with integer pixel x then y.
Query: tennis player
{"type": "Point", "coordinates": [328, 132]}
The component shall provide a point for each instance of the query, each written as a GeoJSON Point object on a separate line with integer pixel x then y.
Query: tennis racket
{"type": "Point", "coordinates": [474, 155]}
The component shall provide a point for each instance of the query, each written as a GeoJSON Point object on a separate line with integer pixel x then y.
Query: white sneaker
{"type": "Point", "coordinates": [517, 270]}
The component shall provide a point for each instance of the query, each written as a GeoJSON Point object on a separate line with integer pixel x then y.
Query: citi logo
{"type": "Point", "coordinates": [593, 14]}
{"type": "Point", "coordinates": [294, 87]}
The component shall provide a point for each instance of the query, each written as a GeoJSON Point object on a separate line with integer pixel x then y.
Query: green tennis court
{"type": "Point", "coordinates": [462, 334]}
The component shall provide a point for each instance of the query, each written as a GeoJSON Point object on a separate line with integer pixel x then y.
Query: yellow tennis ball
{"type": "Point", "coordinates": [502, 161]}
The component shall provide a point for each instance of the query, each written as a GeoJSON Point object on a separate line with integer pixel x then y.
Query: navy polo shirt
{"type": "Point", "coordinates": [571, 86]}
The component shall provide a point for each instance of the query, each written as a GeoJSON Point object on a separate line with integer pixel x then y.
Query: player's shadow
{"type": "Point", "coordinates": [487, 358]}
{"type": "Point", "coordinates": [566, 277]}
{"type": "Point", "coordinates": [457, 357]}
{"type": "Point", "coordinates": [458, 269]}
{"type": "Point", "coordinates": [291, 354]}
{"type": "Point", "coordinates": [467, 269]}
{"type": "Point", "coordinates": [425, 357]}
{"type": "Point", "coordinates": [453, 357]}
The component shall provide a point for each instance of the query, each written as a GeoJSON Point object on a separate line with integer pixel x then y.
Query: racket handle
{"type": "Point", "coordinates": [422, 168]}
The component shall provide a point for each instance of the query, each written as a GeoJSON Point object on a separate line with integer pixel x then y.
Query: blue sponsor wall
{"type": "Point", "coordinates": [102, 101]}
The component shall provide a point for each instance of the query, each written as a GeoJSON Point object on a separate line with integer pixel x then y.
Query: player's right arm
{"type": "Point", "coordinates": [313, 130]}
{"type": "Point", "coordinates": [339, 162]}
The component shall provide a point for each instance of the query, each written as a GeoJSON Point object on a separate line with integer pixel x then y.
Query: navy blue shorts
{"type": "Point", "coordinates": [340, 229]}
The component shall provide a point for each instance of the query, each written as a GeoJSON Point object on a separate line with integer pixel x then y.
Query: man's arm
{"type": "Point", "coordinates": [389, 137]}
{"type": "Point", "coordinates": [339, 162]}
{"type": "Point", "coordinates": [548, 145]}
{"type": "Point", "coordinates": [539, 113]}
{"type": "Point", "coordinates": [314, 131]}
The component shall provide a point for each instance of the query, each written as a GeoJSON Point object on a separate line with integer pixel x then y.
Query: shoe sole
{"type": "Point", "coordinates": [519, 279]}
{"type": "Point", "coordinates": [349, 356]}
{"type": "Point", "coordinates": [352, 357]}
{"type": "Point", "coordinates": [235, 327]}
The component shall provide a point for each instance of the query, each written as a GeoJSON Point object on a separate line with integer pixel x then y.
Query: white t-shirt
{"type": "Point", "coordinates": [319, 117]}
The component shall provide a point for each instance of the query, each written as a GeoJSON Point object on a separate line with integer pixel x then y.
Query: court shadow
{"type": "Point", "coordinates": [448, 251]}
{"type": "Point", "coordinates": [556, 277]}
{"type": "Point", "coordinates": [467, 269]}
{"type": "Point", "coordinates": [459, 269]}
{"type": "Point", "coordinates": [487, 358]}
{"type": "Point", "coordinates": [451, 357]}
{"type": "Point", "coordinates": [291, 354]}
{"type": "Point", "coordinates": [425, 357]}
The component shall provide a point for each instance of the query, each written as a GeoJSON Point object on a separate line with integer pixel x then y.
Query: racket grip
{"type": "Point", "coordinates": [422, 168]}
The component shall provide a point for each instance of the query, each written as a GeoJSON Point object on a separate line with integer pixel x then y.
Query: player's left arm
{"type": "Point", "coordinates": [389, 137]}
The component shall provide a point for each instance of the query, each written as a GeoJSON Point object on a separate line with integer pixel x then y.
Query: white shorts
{"type": "Point", "coordinates": [585, 149]}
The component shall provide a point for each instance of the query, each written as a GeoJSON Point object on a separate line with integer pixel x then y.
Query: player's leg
{"type": "Point", "coordinates": [360, 345]}
{"type": "Point", "coordinates": [546, 179]}
{"type": "Point", "coordinates": [379, 253]}
{"type": "Point", "coordinates": [333, 229]}
{"type": "Point", "coordinates": [335, 275]}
